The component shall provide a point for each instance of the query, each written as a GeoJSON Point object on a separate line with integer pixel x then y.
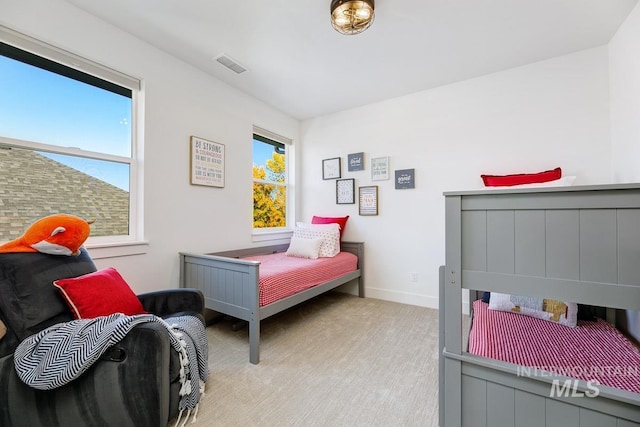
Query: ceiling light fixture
{"type": "Point", "coordinates": [351, 16]}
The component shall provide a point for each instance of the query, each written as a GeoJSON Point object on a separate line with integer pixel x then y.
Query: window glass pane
{"type": "Point", "coordinates": [269, 205]}
{"type": "Point", "coordinates": [269, 160]}
{"type": "Point", "coordinates": [35, 184]}
{"type": "Point", "coordinates": [42, 106]}
{"type": "Point", "coordinates": [269, 199]}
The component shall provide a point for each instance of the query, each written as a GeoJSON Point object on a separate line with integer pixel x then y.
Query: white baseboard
{"type": "Point", "coordinates": [403, 297]}
{"type": "Point", "coordinates": [393, 296]}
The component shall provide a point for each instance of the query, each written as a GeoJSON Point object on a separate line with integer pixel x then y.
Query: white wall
{"type": "Point", "coordinates": [179, 101]}
{"type": "Point", "coordinates": [527, 119]}
{"type": "Point", "coordinates": [624, 66]}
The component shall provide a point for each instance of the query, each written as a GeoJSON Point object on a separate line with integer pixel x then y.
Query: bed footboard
{"type": "Point", "coordinates": [229, 285]}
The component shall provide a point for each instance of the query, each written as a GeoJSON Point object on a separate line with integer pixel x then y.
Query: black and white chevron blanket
{"type": "Point", "coordinates": [61, 353]}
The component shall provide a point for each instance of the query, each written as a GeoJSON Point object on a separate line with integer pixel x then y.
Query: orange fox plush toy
{"type": "Point", "coordinates": [58, 234]}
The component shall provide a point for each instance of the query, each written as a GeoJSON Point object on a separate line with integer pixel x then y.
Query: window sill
{"type": "Point", "coordinates": [113, 250]}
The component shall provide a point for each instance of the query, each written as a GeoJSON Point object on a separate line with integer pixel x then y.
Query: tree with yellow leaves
{"type": "Point", "coordinates": [270, 198]}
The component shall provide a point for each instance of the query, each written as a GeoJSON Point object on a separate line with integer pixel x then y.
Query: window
{"type": "Point", "coordinates": [270, 181]}
{"type": "Point", "coordinates": [66, 140]}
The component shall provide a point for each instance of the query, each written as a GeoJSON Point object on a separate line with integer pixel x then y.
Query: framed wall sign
{"type": "Point", "coordinates": [207, 162]}
{"type": "Point", "coordinates": [355, 162]}
{"type": "Point", "coordinates": [405, 178]}
{"type": "Point", "coordinates": [379, 168]}
{"type": "Point", "coordinates": [345, 191]}
{"type": "Point", "coordinates": [331, 168]}
{"type": "Point", "coordinates": [368, 200]}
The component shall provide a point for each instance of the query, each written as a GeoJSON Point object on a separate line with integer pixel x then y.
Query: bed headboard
{"type": "Point", "coordinates": [568, 242]}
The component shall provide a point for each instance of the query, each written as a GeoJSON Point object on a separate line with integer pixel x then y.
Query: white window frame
{"type": "Point", "coordinates": [277, 233]}
{"type": "Point", "coordinates": [100, 246]}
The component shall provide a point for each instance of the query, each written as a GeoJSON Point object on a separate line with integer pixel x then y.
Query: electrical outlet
{"type": "Point", "coordinates": [414, 277]}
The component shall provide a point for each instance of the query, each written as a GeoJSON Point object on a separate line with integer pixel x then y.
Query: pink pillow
{"type": "Point", "coordinates": [341, 221]}
{"type": "Point", "coordinates": [100, 293]}
{"type": "Point", "coordinates": [521, 178]}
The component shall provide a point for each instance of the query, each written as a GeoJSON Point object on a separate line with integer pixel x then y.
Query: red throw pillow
{"type": "Point", "coordinates": [340, 220]}
{"type": "Point", "coordinates": [100, 293]}
{"type": "Point", "coordinates": [521, 178]}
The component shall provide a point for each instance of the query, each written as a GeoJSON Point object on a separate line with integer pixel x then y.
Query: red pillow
{"type": "Point", "coordinates": [521, 178]}
{"type": "Point", "coordinates": [100, 293]}
{"type": "Point", "coordinates": [340, 220]}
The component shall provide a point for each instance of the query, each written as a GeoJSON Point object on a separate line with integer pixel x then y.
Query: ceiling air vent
{"type": "Point", "coordinates": [230, 63]}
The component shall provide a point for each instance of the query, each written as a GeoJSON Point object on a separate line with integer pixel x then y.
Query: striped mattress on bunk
{"type": "Point", "coordinates": [594, 351]}
{"type": "Point", "coordinates": [282, 276]}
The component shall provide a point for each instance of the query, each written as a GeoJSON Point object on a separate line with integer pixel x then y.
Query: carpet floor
{"type": "Point", "coordinates": [336, 360]}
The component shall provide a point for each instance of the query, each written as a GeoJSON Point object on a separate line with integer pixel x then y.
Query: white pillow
{"type": "Point", "coordinates": [329, 233]}
{"type": "Point", "coordinates": [561, 312]}
{"type": "Point", "coordinates": [304, 248]}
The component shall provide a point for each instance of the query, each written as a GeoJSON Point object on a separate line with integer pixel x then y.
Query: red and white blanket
{"type": "Point", "coordinates": [594, 351]}
{"type": "Point", "coordinates": [282, 275]}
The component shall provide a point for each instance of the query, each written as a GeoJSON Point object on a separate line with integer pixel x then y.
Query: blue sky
{"type": "Point", "coordinates": [45, 107]}
{"type": "Point", "coordinates": [261, 153]}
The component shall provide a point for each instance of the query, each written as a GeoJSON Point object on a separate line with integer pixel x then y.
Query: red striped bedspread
{"type": "Point", "coordinates": [594, 351]}
{"type": "Point", "coordinates": [282, 276]}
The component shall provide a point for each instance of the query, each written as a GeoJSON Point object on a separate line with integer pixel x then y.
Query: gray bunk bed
{"type": "Point", "coordinates": [579, 244]}
{"type": "Point", "coordinates": [231, 285]}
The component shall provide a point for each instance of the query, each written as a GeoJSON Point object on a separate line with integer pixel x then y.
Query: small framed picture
{"type": "Point", "coordinates": [345, 191]}
{"type": "Point", "coordinates": [355, 162]}
{"type": "Point", "coordinates": [405, 178]}
{"type": "Point", "coordinates": [379, 168]}
{"type": "Point", "coordinates": [368, 200]}
{"type": "Point", "coordinates": [331, 168]}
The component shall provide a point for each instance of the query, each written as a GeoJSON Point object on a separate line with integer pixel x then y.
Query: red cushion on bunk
{"type": "Point", "coordinates": [521, 178]}
{"type": "Point", "coordinates": [341, 221]}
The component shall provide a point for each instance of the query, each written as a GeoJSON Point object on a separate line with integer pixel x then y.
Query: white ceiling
{"type": "Point", "coordinates": [300, 65]}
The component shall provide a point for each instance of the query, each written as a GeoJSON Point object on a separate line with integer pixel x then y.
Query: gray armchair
{"type": "Point", "coordinates": [136, 382]}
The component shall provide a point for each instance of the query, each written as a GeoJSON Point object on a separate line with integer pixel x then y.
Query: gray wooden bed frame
{"type": "Point", "coordinates": [230, 285]}
{"type": "Point", "coordinates": [579, 244]}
